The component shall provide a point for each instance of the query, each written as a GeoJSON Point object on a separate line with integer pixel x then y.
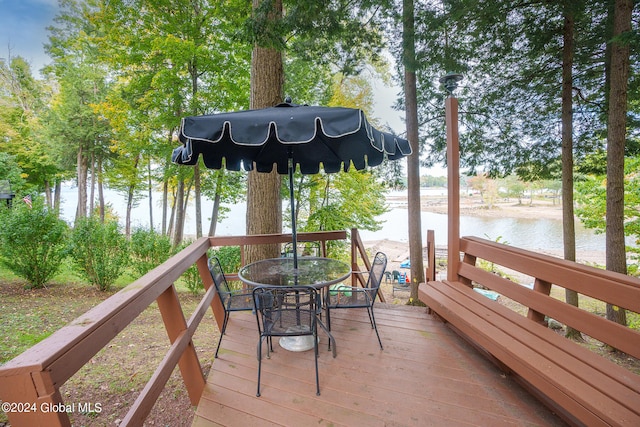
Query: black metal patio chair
{"type": "Point", "coordinates": [359, 297]}
{"type": "Point", "coordinates": [288, 312]}
{"type": "Point", "coordinates": [232, 300]}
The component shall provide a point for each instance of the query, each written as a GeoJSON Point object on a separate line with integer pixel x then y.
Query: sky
{"type": "Point", "coordinates": [23, 32]}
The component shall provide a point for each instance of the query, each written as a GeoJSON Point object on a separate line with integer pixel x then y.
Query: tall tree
{"type": "Point", "coordinates": [413, 161]}
{"type": "Point", "coordinates": [264, 203]}
{"type": "Point", "coordinates": [568, 216]}
{"type": "Point", "coordinates": [23, 108]}
{"type": "Point", "coordinates": [173, 59]}
{"type": "Point", "coordinates": [338, 33]}
{"type": "Point", "coordinates": [616, 258]}
{"type": "Point", "coordinates": [75, 126]}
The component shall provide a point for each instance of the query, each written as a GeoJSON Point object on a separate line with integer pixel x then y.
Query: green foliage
{"type": "Point", "coordinates": [148, 250]}
{"type": "Point", "coordinates": [229, 257]}
{"type": "Point", "coordinates": [591, 201]}
{"type": "Point", "coordinates": [99, 250]}
{"type": "Point", "coordinates": [633, 319]}
{"type": "Point", "coordinates": [32, 241]}
{"type": "Point", "coordinates": [191, 277]}
{"type": "Point", "coordinates": [11, 171]}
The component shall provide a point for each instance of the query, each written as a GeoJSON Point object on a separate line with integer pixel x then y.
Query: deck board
{"type": "Point", "coordinates": [426, 375]}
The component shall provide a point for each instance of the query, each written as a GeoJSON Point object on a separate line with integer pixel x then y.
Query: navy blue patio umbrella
{"type": "Point", "coordinates": [287, 136]}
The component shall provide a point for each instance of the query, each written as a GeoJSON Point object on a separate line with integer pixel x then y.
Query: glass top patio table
{"type": "Point", "coordinates": [314, 271]}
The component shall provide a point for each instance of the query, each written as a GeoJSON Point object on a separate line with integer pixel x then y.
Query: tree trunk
{"type": "Point", "coordinates": [216, 203]}
{"type": "Point", "coordinates": [101, 190]}
{"type": "Point", "coordinates": [127, 222]}
{"type": "Point", "coordinates": [197, 197]}
{"type": "Point", "coordinates": [165, 206]}
{"type": "Point", "coordinates": [568, 219]}
{"type": "Point", "coordinates": [150, 188]}
{"type": "Point", "coordinates": [264, 205]}
{"type": "Point", "coordinates": [616, 258]}
{"type": "Point", "coordinates": [131, 191]}
{"type": "Point", "coordinates": [179, 214]}
{"type": "Point", "coordinates": [172, 215]}
{"type": "Point", "coordinates": [187, 193]}
{"type": "Point", "coordinates": [47, 194]}
{"type": "Point", "coordinates": [413, 161]}
{"type": "Point", "coordinates": [56, 196]}
{"type": "Point", "coordinates": [81, 210]}
{"type": "Point", "coordinates": [92, 196]}
{"type": "Point", "coordinates": [214, 215]}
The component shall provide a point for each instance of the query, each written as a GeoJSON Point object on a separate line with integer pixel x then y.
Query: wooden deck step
{"type": "Point", "coordinates": [426, 375]}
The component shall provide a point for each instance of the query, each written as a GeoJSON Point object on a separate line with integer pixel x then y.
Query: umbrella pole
{"type": "Point", "coordinates": [294, 234]}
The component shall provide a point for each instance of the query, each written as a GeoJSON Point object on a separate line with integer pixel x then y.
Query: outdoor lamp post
{"type": "Point", "coordinates": [5, 190]}
{"type": "Point", "coordinates": [450, 82]}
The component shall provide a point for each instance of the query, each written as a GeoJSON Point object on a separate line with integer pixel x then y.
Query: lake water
{"type": "Point", "coordinates": [533, 234]}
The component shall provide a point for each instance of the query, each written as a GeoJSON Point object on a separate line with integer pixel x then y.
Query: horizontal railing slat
{"type": "Point", "coordinates": [616, 335]}
{"type": "Point", "coordinates": [614, 288]}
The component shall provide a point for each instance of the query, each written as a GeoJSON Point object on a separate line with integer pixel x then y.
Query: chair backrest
{"type": "Point", "coordinates": [219, 279]}
{"type": "Point", "coordinates": [305, 248]}
{"type": "Point", "coordinates": [376, 273]}
{"type": "Point", "coordinates": [286, 310]}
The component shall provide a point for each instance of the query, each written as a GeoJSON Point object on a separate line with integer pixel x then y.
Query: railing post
{"type": "Point", "coordinates": [453, 188]}
{"type": "Point", "coordinates": [543, 287]}
{"type": "Point", "coordinates": [175, 324]}
{"type": "Point", "coordinates": [36, 399]}
{"type": "Point", "coordinates": [430, 273]}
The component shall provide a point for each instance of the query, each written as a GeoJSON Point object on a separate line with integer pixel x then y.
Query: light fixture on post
{"type": "Point", "coordinates": [450, 82]}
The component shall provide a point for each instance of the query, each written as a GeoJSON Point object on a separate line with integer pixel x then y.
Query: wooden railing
{"type": "Point", "coordinates": [578, 384]}
{"type": "Point", "coordinates": [33, 379]}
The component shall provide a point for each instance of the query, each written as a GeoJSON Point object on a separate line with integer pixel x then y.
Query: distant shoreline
{"type": "Point", "coordinates": [473, 206]}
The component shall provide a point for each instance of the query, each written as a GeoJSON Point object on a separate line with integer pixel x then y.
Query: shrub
{"type": "Point", "coordinates": [99, 250]}
{"type": "Point", "coordinates": [191, 277]}
{"type": "Point", "coordinates": [32, 241]}
{"type": "Point", "coordinates": [229, 260]}
{"type": "Point", "coordinates": [229, 257]}
{"type": "Point", "coordinates": [148, 250]}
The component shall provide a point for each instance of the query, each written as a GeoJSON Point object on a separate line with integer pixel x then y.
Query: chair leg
{"type": "Point", "coordinates": [259, 365]}
{"type": "Point", "coordinates": [375, 326]}
{"type": "Point", "coordinates": [332, 341]}
{"type": "Point", "coordinates": [224, 328]}
{"type": "Point", "coordinates": [315, 349]}
{"type": "Point", "coordinates": [371, 320]}
{"type": "Point", "coordinates": [326, 306]}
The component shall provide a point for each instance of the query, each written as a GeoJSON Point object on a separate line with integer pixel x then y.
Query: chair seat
{"type": "Point", "coordinates": [342, 296]}
{"type": "Point", "coordinates": [350, 297]}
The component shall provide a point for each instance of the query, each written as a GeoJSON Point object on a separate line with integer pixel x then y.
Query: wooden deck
{"type": "Point", "coordinates": [426, 375]}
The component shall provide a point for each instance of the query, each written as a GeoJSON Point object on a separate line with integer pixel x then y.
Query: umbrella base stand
{"type": "Point", "coordinates": [301, 343]}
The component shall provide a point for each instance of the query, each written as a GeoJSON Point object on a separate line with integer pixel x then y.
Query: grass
{"type": "Point", "coordinates": [114, 377]}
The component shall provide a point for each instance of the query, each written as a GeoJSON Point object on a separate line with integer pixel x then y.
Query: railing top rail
{"type": "Point", "coordinates": [257, 239]}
